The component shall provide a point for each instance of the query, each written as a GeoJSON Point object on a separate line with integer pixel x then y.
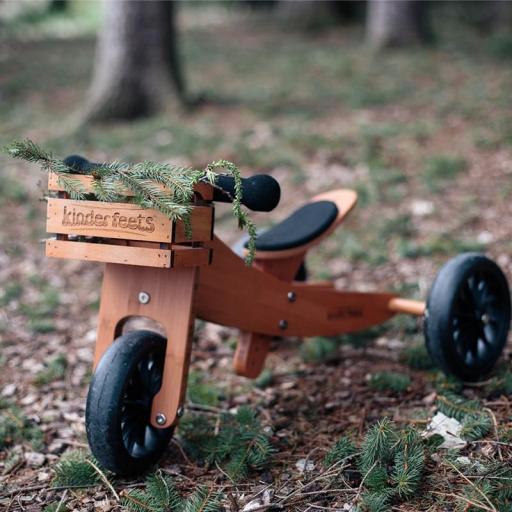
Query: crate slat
{"type": "Point", "coordinates": [141, 256]}
{"type": "Point", "coordinates": [203, 189]}
{"type": "Point", "coordinates": [201, 218]}
{"type": "Point", "coordinates": [178, 256]}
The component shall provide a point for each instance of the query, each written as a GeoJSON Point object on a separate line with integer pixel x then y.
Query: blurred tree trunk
{"type": "Point", "coordinates": [306, 14]}
{"type": "Point", "coordinates": [396, 23]}
{"type": "Point", "coordinates": [136, 61]}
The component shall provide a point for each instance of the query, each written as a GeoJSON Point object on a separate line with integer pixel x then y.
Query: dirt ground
{"type": "Point", "coordinates": [424, 136]}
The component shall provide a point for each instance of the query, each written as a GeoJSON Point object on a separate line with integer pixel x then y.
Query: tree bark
{"type": "Point", "coordinates": [136, 61]}
{"type": "Point", "coordinates": [396, 23]}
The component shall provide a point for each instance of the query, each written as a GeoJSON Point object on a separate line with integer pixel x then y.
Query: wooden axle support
{"type": "Point", "coordinates": [166, 296]}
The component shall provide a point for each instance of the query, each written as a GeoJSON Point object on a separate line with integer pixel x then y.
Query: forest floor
{"type": "Point", "coordinates": [424, 136]}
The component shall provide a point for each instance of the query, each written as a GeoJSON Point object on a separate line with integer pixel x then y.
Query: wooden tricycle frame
{"type": "Point", "coordinates": [154, 270]}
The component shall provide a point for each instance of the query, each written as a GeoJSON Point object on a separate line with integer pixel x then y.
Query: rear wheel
{"type": "Point", "coordinates": [119, 401]}
{"type": "Point", "coordinates": [468, 316]}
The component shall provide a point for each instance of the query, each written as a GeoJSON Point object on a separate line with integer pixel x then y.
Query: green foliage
{"type": "Point", "coordinates": [376, 501]}
{"type": "Point", "coordinates": [500, 45]}
{"type": "Point", "coordinates": [56, 507]}
{"type": "Point", "coordinates": [200, 392]}
{"type": "Point", "coordinates": [389, 381]}
{"type": "Point", "coordinates": [203, 500]}
{"type": "Point", "coordinates": [145, 181]}
{"type": "Point", "coordinates": [12, 190]}
{"type": "Point", "coordinates": [440, 169]}
{"type": "Point", "coordinates": [501, 383]}
{"type": "Point", "coordinates": [39, 313]}
{"type": "Point", "coordinates": [456, 406]}
{"type": "Point", "coordinates": [265, 379]}
{"type": "Point", "coordinates": [75, 469]}
{"type": "Point", "coordinates": [409, 463]}
{"type": "Point", "coordinates": [11, 292]}
{"type": "Point", "coordinates": [239, 444]}
{"type": "Point", "coordinates": [377, 445]}
{"type": "Point", "coordinates": [417, 357]}
{"type": "Point", "coordinates": [343, 448]}
{"type": "Point", "coordinates": [16, 428]}
{"type": "Point", "coordinates": [476, 423]}
{"type": "Point", "coordinates": [437, 245]}
{"type": "Point", "coordinates": [492, 480]}
{"type": "Point", "coordinates": [475, 426]}
{"type": "Point", "coordinates": [159, 495]}
{"type": "Point", "coordinates": [317, 350]}
{"type": "Point", "coordinates": [391, 463]}
{"type": "Point", "coordinates": [54, 370]}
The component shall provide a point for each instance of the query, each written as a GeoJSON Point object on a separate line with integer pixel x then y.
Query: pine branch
{"type": "Point", "coordinates": [74, 469]}
{"type": "Point", "coordinates": [240, 446]}
{"type": "Point", "coordinates": [166, 188]}
{"type": "Point", "coordinates": [160, 495]}
{"type": "Point", "coordinates": [343, 448]}
{"type": "Point", "coordinates": [456, 406]}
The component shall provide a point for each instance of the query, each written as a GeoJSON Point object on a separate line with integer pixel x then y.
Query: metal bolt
{"type": "Point", "coordinates": [180, 412]}
{"type": "Point", "coordinates": [292, 296]}
{"type": "Point", "coordinates": [144, 297]}
{"type": "Point", "coordinates": [283, 324]}
{"type": "Point", "coordinates": [160, 419]}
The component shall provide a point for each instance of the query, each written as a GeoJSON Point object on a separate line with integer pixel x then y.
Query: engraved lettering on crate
{"type": "Point", "coordinates": [115, 220]}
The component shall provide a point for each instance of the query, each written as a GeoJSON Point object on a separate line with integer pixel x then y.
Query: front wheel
{"type": "Point", "coordinates": [468, 316]}
{"type": "Point", "coordinates": [118, 410]}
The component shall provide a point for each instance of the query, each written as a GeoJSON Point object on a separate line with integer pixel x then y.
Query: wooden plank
{"type": "Point", "coordinates": [250, 355]}
{"type": "Point", "coordinates": [203, 189]}
{"type": "Point", "coordinates": [112, 220]}
{"type": "Point", "coordinates": [202, 226]}
{"type": "Point", "coordinates": [140, 256]}
{"type": "Point", "coordinates": [190, 256]}
{"type": "Point", "coordinates": [232, 294]}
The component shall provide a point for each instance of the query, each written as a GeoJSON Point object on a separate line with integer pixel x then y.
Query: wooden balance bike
{"type": "Point", "coordinates": [153, 270]}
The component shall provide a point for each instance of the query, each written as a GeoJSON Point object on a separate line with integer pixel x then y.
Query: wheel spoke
{"type": "Point", "coordinates": [489, 331]}
{"type": "Point", "coordinates": [482, 348]}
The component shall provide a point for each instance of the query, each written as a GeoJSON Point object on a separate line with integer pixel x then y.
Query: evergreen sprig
{"type": "Point", "coordinates": [161, 495]}
{"type": "Point", "coordinates": [74, 469]}
{"type": "Point", "coordinates": [476, 423]}
{"type": "Point", "coordinates": [343, 449]}
{"type": "Point", "coordinates": [240, 445]}
{"type": "Point", "coordinates": [163, 187]}
{"type": "Point", "coordinates": [391, 463]}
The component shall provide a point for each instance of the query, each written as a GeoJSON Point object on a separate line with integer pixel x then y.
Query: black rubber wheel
{"type": "Point", "coordinates": [468, 316]}
{"type": "Point", "coordinates": [117, 415]}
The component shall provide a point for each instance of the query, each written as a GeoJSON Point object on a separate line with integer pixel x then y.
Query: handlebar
{"type": "Point", "coordinates": [260, 193]}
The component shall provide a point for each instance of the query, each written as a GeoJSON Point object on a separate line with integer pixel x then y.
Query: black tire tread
{"type": "Point", "coordinates": [436, 327]}
{"type": "Point", "coordinates": [105, 392]}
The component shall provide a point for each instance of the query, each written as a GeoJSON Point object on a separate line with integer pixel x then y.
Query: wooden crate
{"type": "Point", "coordinates": [124, 232]}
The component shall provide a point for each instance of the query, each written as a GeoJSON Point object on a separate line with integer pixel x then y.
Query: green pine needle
{"type": "Point", "coordinates": [343, 449]}
{"type": "Point", "coordinates": [74, 469]}
{"type": "Point", "coordinates": [456, 406]}
{"type": "Point", "coordinates": [160, 495]}
{"type": "Point", "coordinates": [240, 446]}
{"type": "Point", "coordinates": [377, 445]}
{"type": "Point", "coordinates": [390, 381]}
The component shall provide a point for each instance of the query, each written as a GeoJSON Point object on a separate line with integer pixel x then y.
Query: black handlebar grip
{"type": "Point", "coordinates": [260, 193]}
{"type": "Point", "coordinates": [79, 164]}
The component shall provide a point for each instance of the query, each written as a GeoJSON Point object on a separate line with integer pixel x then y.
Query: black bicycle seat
{"type": "Point", "coordinates": [302, 226]}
